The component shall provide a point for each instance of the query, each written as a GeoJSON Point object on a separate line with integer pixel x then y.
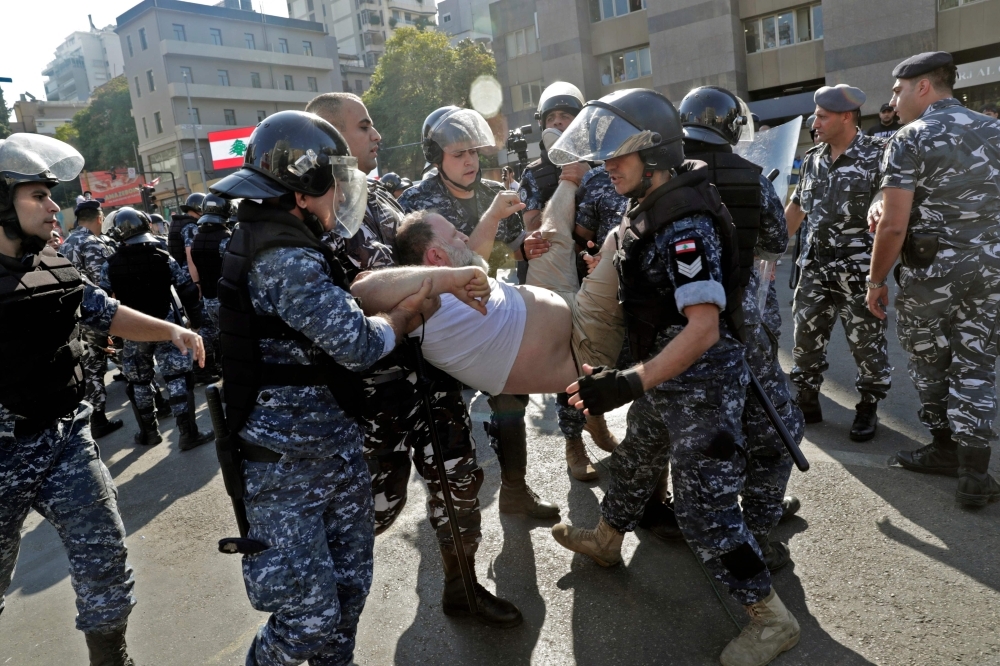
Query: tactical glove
{"type": "Point", "coordinates": [607, 389]}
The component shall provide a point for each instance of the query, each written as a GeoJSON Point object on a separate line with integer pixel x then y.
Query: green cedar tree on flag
{"type": "Point", "coordinates": [228, 147]}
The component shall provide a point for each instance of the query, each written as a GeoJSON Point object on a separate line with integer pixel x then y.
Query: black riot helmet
{"type": "Point", "coordinates": [391, 181]}
{"type": "Point", "coordinates": [559, 96]}
{"type": "Point", "coordinates": [193, 203]}
{"type": "Point", "coordinates": [714, 115]}
{"type": "Point", "coordinates": [215, 210]}
{"type": "Point", "coordinates": [132, 226]}
{"type": "Point", "coordinates": [453, 128]}
{"type": "Point", "coordinates": [432, 151]}
{"type": "Point", "coordinates": [157, 223]}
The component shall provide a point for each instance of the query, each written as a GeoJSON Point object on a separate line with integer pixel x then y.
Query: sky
{"type": "Point", "coordinates": [33, 30]}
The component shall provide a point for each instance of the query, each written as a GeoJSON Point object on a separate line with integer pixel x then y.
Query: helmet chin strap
{"type": "Point", "coordinates": [12, 230]}
{"type": "Point", "coordinates": [467, 188]}
{"type": "Point", "coordinates": [640, 190]}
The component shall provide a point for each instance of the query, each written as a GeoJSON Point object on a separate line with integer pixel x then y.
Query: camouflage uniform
{"type": "Point", "coordinates": [313, 508]}
{"type": "Point", "coordinates": [59, 473]}
{"type": "Point", "coordinates": [835, 259]}
{"type": "Point", "coordinates": [398, 430]}
{"type": "Point", "coordinates": [599, 208]}
{"type": "Point", "coordinates": [946, 313]}
{"type": "Point", "coordinates": [693, 421]}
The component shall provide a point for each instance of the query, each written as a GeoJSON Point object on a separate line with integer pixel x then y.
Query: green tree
{"type": "Point", "coordinates": [105, 130]}
{"type": "Point", "coordinates": [4, 117]}
{"type": "Point", "coordinates": [419, 72]}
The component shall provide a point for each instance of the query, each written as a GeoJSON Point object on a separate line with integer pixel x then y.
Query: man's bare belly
{"type": "Point", "coordinates": [544, 362]}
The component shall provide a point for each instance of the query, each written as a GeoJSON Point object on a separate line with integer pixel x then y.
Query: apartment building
{"type": "Point", "coordinates": [84, 61]}
{"type": "Point", "coordinates": [44, 117]}
{"type": "Point", "coordinates": [237, 66]}
{"type": "Point", "coordinates": [466, 19]}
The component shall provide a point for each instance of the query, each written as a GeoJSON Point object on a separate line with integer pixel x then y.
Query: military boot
{"type": "Point", "coordinates": [776, 554]}
{"type": "Point", "coordinates": [108, 649]}
{"type": "Point", "coordinates": [517, 497]}
{"type": "Point", "coordinates": [602, 544]}
{"type": "Point", "coordinates": [162, 405]}
{"type": "Point", "coordinates": [790, 506]}
{"type": "Point", "coordinates": [976, 487]}
{"type": "Point", "coordinates": [938, 457]}
{"type": "Point", "coordinates": [597, 428]}
{"type": "Point", "coordinates": [101, 426]}
{"type": "Point", "coordinates": [772, 630]}
{"type": "Point", "coordinates": [191, 437]}
{"type": "Point", "coordinates": [145, 418]}
{"type": "Point", "coordinates": [659, 518]}
{"type": "Point", "coordinates": [491, 610]}
{"type": "Point", "coordinates": [510, 441]}
{"type": "Point", "coordinates": [808, 402]}
{"type": "Point", "coordinates": [579, 463]}
{"type": "Point", "coordinates": [865, 421]}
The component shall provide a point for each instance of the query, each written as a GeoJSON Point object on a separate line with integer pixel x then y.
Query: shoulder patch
{"type": "Point", "coordinates": [689, 260]}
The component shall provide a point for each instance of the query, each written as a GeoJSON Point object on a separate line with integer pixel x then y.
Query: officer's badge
{"type": "Point", "coordinates": [690, 263]}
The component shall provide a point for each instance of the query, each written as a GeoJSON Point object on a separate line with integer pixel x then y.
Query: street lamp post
{"type": "Point", "coordinates": [194, 128]}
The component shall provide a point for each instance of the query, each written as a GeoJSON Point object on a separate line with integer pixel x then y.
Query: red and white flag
{"type": "Point", "coordinates": [229, 146]}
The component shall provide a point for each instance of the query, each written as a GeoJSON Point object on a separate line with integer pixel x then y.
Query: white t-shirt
{"type": "Point", "coordinates": [477, 350]}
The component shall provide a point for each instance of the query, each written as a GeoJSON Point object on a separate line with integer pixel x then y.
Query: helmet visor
{"type": "Point", "coordinates": [350, 197]}
{"type": "Point", "coordinates": [35, 157]}
{"type": "Point", "coordinates": [463, 129]}
{"type": "Point", "coordinates": [598, 134]}
{"type": "Point", "coordinates": [744, 124]}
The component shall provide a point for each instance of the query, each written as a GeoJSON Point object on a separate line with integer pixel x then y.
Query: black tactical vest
{"type": "Point", "coordinates": [738, 182]}
{"type": "Point", "coordinates": [206, 257]}
{"type": "Point", "coordinates": [141, 278]}
{"type": "Point", "coordinates": [40, 374]}
{"type": "Point", "coordinates": [242, 328]}
{"type": "Point", "coordinates": [649, 304]}
{"type": "Point", "coordinates": [175, 240]}
{"type": "Point", "coordinates": [546, 176]}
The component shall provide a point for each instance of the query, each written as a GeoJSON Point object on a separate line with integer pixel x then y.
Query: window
{"type": "Point", "coordinates": [794, 27]}
{"type": "Point", "coordinates": [128, 42]}
{"type": "Point", "coordinates": [521, 42]}
{"type": "Point", "coordinates": [223, 77]}
{"type": "Point", "coordinates": [138, 90]}
{"type": "Point", "coordinates": [309, 5]}
{"type": "Point", "coordinates": [282, 45]}
{"type": "Point", "coordinates": [289, 82]}
{"type": "Point", "coordinates": [395, 14]}
{"type": "Point", "coordinates": [179, 33]}
{"type": "Point", "coordinates": [324, 9]}
{"type": "Point", "coordinates": [142, 39]}
{"type": "Point", "coordinates": [525, 96]}
{"type": "Point", "coordinates": [307, 48]}
{"type": "Point", "coordinates": [446, 18]}
{"type": "Point", "coordinates": [407, 17]}
{"type": "Point", "coordinates": [157, 122]}
{"type": "Point", "coordinates": [951, 4]}
{"type": "Point", "coordinates": [186, 75]}
{"type": "Point", "coordinates": [625, 66]}
{"type": "Point", "coordinates": [230, 116]}
{"type": "Point", "coordinates": [255, 79]}
{"type": "Point", "coordinates": [313, 86]}
{"type": "Point", "coordinates": [358, 86]}
{"type": "Point", "coordinates": [145, 128]}
{"type": "Point", "coordinates": [216, 34]}
{"type": "Point", "coordinates": [194, 116]}
{"type": "Point", "coordinates": [248, 38]}
{"type": "Point", "coordinates": [261, 115]}
{"type": "Point", "coordinates": [149, 80]}
{"type": "Point", "coordinates": [614, 8]}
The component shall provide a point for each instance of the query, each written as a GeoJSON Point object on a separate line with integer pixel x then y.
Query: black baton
{"type": "Point", "coordinates": [775, 419]}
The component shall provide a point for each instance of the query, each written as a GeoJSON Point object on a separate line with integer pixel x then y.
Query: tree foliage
{"type": "Point", "coordinates": [105, 130]}
{"type": "Point", "coordinates": [4, 117]}
{"type": "Point", "coordinates": [419, 72]}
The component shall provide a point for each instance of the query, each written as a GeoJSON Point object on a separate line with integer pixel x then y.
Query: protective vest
{"type": "Point", "coordinates": [648, 302]}
{"type": "Point", "coordinates": [175, 239]}
{"type": "Point", "coordinates": [140, 277]}
{"type": "Point", "coordinates": [546, 176]}
{"type": "Point", "coordinates": [40, 349]}
{"type": "Point", "coordinates": [242, 328]}
{"type": "Point", "coordinates": [206, 257]}
{"type": "Point", "coordinates": [738, 182]}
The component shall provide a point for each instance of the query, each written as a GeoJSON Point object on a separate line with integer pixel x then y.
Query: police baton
{"type": "Point", "coordinates": [424, 386]}
{"type": "Point", "coordinates": [775, 419]}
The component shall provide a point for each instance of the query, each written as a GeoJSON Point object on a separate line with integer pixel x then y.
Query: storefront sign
{"type": "Point", "coordinates": [978, 73]}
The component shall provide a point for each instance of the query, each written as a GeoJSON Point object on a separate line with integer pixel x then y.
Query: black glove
{"type": "Point", "coordinates": [607, 389]}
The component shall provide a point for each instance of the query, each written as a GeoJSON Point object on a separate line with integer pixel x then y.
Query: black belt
{"type": "Point", "coordinates": [254, 453]}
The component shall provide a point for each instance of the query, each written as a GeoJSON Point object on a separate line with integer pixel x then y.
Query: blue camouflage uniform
{"type": "Point", "coordinates": [58, 472]}
{"type": "Point", "coordinates": [599, 207]}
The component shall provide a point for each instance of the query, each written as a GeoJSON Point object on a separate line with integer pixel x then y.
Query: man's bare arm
{"type": "Point", "coordinates": [889, 237]}
{"type": "Point", "coordinates": [794, 216]}
{"type": "Point", "coordinates": [504, 205]}
{"type": "Point", "coordinates": [532, 220]}
{"type": "Point", "coordinates": [138, 327]}
{"type": "Point", "coordinates": [383, 290]}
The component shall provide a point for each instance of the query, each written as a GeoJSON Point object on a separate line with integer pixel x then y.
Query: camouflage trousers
{"type": "Point", "coordinates": [506, 431]}
{"type": "Point", "coordinates": [697, 429]}
{"type": "Point", "coordinates": [315, 514]}
{"type": "Point", "coordinates": [209, 332]}
{"type": "Point", "coordinates": [818, 304]}
{"type": "Point", "coordinates": [95, 366]}
{"type": "Point", "coordinates": [946, 318]}
{"type": "Point", "coordinates": [137, 366]}
{"type": "Point", "coordinates": [398, 432]}
{"type": "Point", "coordinates": [58, 472]}
{"type": "Point", "coordinates": [571, 420]}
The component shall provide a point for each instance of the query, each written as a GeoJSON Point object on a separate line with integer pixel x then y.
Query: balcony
{"type": "Point", "coordinates": [240, 94]}
{"type": "Point", "coordinates": [213, 52]}
{"type": "Point", "coordinates": [372, 37]}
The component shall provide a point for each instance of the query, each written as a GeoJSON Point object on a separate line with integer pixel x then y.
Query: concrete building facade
{"type": "Point", "coordinates": [238, 66]}
{"type": "Point", "coordinates": [84, 61]}
{"type": "Point", "coordinates": [42, 117]}
{"type": "Point", "coordinates": [466, 19]}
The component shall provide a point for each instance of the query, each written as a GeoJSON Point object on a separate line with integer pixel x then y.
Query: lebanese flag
{"type": "Point", "coordinates": [228, 147]}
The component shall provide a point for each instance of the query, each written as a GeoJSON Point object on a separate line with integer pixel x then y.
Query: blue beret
{"type": "Point", "coordinates": [922, 63]}
{"type": "Point", "coordinates": [840, 98]}
{"type": "Point", "coordinates": [91, 204]}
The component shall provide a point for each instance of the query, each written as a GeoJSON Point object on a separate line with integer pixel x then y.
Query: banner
{"type": "Point", "coordinates": [228, 147]}
{"type": "Point", "coordinates": [114, 188]}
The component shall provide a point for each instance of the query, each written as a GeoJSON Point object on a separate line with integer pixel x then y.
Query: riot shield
{"type": "Point", "coordinates": [774, 149]}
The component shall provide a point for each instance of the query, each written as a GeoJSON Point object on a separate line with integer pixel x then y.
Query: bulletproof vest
{"type": "Point", "coordinates": [206, 257]}
{"type": "Point", "coordinates": [175, 240]}
{"type": "Point", "coordinates": [242, 328]}
{"type": "Point", "coordinates": [546, 176]}
{"type": "Point", "coordinates": [140, 277]}
{"type": "Point", "coordinates": [738, 182]}
{"type": "Point", "coordinates": [40, 349]}
{"type": "Point", "coordinates": [648, 301]}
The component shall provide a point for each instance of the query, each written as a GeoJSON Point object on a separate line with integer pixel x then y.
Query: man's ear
{"type": "Point", "coordinates": [435, 256]}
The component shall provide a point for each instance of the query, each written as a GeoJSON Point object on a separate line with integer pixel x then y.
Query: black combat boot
{"type": "Point", "coordinates": [149, 429]}
{"type": "Point", "coordinates": [776, 554]}
{"type": "Point", "coordinates": [808, 402]}
{"type": "Point", "coordinates": [659, 518]}
{"type": "Point", "coordinates": [976, 487]}
{"type": "Point", "coordinates": [101, 426]}
{"type": "Point", "coordinates": [162, 405]}
{"type": "Point", "coordinates": [865, 421]}
{"type": "Point", "coordinates": [191, 437]}
{"type": "Point", "coordinates": [108, 649]}
{"type": "Point", "coordinates": [491, 610]}
{"type": "Point", "coordinates": [938, 457]}
{"type": "Point", "coordinates": [790, 506]}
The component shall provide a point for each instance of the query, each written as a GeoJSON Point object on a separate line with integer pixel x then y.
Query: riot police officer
{"type": "Point", "coordinates": [488, 215]}
{"type": "Point", "coordinates": [207, 259]}
{"type": "Point", "coordinates": [141, 275]}
{"type": "Point", "coordinates": [293, 339]}
{"type": "Point", "coordinates": [679, 273]}
{"type": "Point", "coordinates": [397, 430]}
{"type": "Point", "coordinates": [48, 459]}
{"type": "Point", "coordinates": [182, 229]}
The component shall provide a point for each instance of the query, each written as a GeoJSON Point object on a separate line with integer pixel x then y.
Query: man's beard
{"type": "Point", "coordinates": [463, 257]}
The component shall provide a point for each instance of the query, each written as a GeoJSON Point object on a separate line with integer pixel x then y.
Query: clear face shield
{"type": "Point", "coordinates": [598, 134]}
{"type": "Point", "coordinates": [350, 198]}
{"type": "Point", "coordinates": [743, 125]}
{"type": "Point", "coordinates": [464, 129]}
{"type": "Point", "coordinates": [35, 157]}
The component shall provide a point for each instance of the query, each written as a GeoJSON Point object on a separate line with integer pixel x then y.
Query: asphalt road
{"type": "Point", "coordinates": [888, 569]}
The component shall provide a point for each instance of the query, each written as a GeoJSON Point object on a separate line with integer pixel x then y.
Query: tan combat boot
{"type": "Point", "coordinates": [580, 466]}
{"type": "Point", "coordinates": [602, 544]}
{"type": "Point", "coordinates": [771, 631]}
{"type": "Point", "coordinates": [597, 428]}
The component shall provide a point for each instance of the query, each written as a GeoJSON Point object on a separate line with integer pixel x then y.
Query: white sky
{"type": "Point", "coordinates": [32, 30]}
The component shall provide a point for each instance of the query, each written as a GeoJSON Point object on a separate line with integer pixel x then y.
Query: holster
{"type": "Point", "coordinates": [919, 250]}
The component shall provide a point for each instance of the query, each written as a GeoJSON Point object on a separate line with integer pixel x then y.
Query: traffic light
{"type": "Point", "coordinates": [148, 198]}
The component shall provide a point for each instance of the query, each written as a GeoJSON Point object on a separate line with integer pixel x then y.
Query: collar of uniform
{"type": "Point", "coordinates": [941, 104]}
{"type": "Point", "coordinates": [80, 229]}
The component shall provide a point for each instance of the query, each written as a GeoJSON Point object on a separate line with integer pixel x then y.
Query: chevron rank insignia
{"type": "Point", "coordinates": [690, 261]}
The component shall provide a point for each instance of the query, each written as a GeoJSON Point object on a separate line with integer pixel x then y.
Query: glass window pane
{"type": "Point", "coordinates": [511, 45]}
{"type": "Point", "coordinates": [752, 31]}
{"type": "Point", "coordinates": [785, 35]}
{"type": "Point", "coordinates": [770, 36]}
{"type": "Point", "coordinates": [532, 45]}
{"type": "Point", "coordinates": [621, 7]}
{"type": "Point", "coordinates": [948, 4]}
{"type": "Point", "coordinates": [802, 32]}
{"type": "Point", "coordinates": [817, 25]}
{"type": "Point", "coordinates": [525, 96]}
{"type": "Point", "coordinates": [631, 65]}
{"type": "Point", "coordinates": [618, 64]}
{"type": "Point", "coordinates": [609, 8]}
{"type": "Point", "coordinates": [536, 93]}
{"type": "Point", "coordinates": [606, 71]}
{"type": "Point", "coordinates": [520, 43]}
{"type": "Point", "coordinates": [635, 5]}
{"type": "Point", "coordinates": [645, 69]}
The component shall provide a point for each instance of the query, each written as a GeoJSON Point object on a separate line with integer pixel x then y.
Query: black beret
{"type": "Point", "coordinates": [90, 204]}
{"type": "Point", "coordinates": [922, 63]}
{"type": "Point", "coordinates": [840, 98]}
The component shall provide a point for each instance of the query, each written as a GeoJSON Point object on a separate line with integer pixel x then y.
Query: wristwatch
{"type": "Point", "coordinates": [875, 285]}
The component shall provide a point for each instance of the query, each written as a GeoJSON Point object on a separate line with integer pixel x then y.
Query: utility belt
{"type": "Point", "coordinates": [919, 250]}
